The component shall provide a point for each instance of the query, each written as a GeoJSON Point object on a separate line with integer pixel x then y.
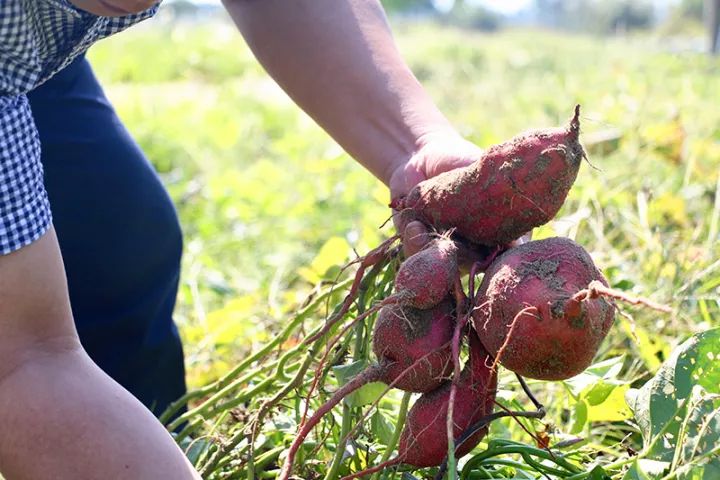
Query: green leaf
{"type": "Point", "coordinates": [381, 427]}
{"type": "Point", "coordinates": [598, 473]}
{"type": "Point", "coordinates": [607, 369]}
{"type": "Point", "coordinates": [678, 410]}
{"type": "Point", "coordinates": [364, 395]}
{"type": "Point", "coordinates": [600, 397]}
{"type": "Point", "coordinates": [607, 403]}
{"type": "Point", "coordinates": [645, 470]}
{"type": "Point", "coordinates": [581, 415]}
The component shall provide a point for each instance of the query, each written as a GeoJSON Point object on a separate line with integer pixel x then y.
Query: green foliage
{"type": "Point", "coordinates": [474, 16]}
{"type": "Point", "coordinates": [596, 15]}
{"type": "Point", "coordinates": [678, 413]}
{"type": "Point", "coordinates": [272, 209]}
{"type": "Point", "coordinates": [691, 9]}
{"type": "Point", "coordinates": [408, 6]}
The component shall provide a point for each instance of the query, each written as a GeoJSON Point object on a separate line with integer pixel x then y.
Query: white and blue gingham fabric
{"type": "Point", "coordinates": [37, 39]}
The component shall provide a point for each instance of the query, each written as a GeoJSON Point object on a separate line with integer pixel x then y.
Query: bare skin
{"type": "Point", "coordinates": [113, 8]}
{"type": "Point", "coordinates": [62, 417]}
{"type": "Point", "coordinates": [337, 59]}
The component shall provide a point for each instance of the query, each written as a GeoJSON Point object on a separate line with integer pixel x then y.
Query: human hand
{"type": "Point", "coordinates": [437, 153]}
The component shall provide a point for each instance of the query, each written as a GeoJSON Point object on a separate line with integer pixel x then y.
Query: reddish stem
{"type": "Point", "coordinates": [389, 387]}
{"type": "Point", "coordinates": [463, 317]}
{"type": "Point", "coordinates": [371, 374]}
{"type": "Point", "coordinates": [596, 289]}
{"type": "Point", "coordinates": [377, 468]}
{"type": "Point", "coordinates": [321, 364]}
{"type": "Point", "coordinates": [373, 257]}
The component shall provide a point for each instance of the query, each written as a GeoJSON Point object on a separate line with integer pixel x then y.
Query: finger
{"type": "Point", "coordinates": [524, 239]}
{"type": "Point", "coordinates": [415, 236]}
{"type": "Point", "coordinates": [469, 254]}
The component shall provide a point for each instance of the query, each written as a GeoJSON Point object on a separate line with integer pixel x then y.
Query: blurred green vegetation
{"type": "Point", "coordinates": [271, 205]}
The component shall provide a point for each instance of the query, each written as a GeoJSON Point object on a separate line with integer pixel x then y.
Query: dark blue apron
{"type": "Point", "coordinates": [119, 236]}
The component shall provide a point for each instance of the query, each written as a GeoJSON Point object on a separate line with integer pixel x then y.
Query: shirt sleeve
{"type": "Point", "coordinates": [24, 206]}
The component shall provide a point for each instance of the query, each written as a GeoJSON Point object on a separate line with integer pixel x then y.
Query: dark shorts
{"type": "Point", "coordinates": [119, 236]}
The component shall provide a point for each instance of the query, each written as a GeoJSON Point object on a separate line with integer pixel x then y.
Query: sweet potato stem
{"type": "Point", "coordinates": [402, 415]}
{"type": "Point", "coordinates": [596, 289]}
{"type": "Point", "coordinates": [376, 468]}
{"type": "Point", "coordinates": [391, 386]}
{"type": "Point", "coordinates": [229, 380]}
{"type": "Point", "coordinates": [374, 257]}
{"type": "Point", "coordinates": [332, 472]}
{"type": "Point", "coordinates": [463, 315]}
{"type": "Point", "coordinates": [371, 374]}
{"type": "Point", "coordinates": [333, 342]}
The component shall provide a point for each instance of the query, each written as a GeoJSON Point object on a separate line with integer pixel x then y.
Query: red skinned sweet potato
{"type": "Point", "coordinates": [423, 281]}
{"type": "Point", "coordinates": [425, 278]}
{"type": "Point", "coordinates": [423, 442]}
{"type": "Point", "coordinates": [530, 315]}
{"type": "Point", "coordinates": [413, 351]}
{"type": "Point", "coordinates": [403, 335]}
{"type": "Point", "coordinates": [511, 189]}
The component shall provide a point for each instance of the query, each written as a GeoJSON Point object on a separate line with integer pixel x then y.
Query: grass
{"type": "Point", "coordinates": [271, 205]}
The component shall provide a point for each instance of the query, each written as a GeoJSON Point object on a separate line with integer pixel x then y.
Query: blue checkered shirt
{"type": "Point", "coordinates": [37, 39]}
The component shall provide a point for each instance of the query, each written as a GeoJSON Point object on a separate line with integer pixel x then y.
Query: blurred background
{"type": "Point", "coordinates": [694, 21]}
{"type": "Point", "coordinates": [270, 205]}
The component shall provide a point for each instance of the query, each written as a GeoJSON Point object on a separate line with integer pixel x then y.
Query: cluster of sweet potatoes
{"type": "Point", "coordinates": [541, 310]}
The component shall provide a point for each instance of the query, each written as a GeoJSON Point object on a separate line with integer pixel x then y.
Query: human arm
{"type": "Point", "coordinates": [113, 8]}
{"type": "Point", "coordinates": [62, 417]}
{"type": "Point", "coordinates": [337, 59]}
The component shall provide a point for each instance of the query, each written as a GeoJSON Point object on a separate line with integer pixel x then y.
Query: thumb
{"type": "Point", "coordinates": [415, 236]}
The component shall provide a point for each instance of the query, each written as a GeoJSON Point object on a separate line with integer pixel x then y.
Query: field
{"type": "Point", "coordinates": [272, 208]}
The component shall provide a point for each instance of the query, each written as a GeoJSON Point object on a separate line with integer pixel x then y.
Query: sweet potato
{"type": "Point", "coordinates": [425, 278]}
{"type": "Point", "coordinates": [423, 442]}
{"type": "Point", "coordinates": [404, 335]}
{"type": "Point", "coordinates": [413, 350]}
{"type": "Point", "coordinates": [511, 189]}
{"type": "Point", "coordinates": [530, 315]}
{"type": "Point", "coordinates": [422, 282]}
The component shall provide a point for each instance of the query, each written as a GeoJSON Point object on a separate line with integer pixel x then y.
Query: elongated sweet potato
{"type": "Point", "coordinates": [423, 442]}
{"type": "Point", "coordinates": [413, 351]}
{"type": "Point", "coordinates": [404, 335]}
{"type": "Point", "coordinates": [425, 279]}
{"type": "Point", "coordinates": [511, 189]}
